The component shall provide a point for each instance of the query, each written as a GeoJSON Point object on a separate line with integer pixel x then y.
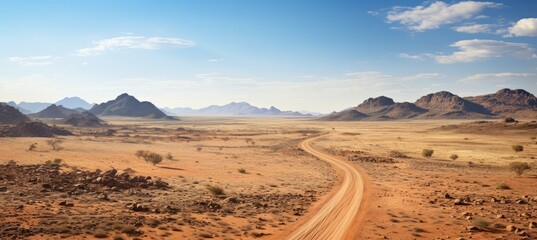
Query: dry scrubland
{"type": "Point", "coordinates": [269, 185]}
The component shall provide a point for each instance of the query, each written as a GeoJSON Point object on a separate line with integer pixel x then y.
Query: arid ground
{"type": "Point", "coordinates": [270, 186]}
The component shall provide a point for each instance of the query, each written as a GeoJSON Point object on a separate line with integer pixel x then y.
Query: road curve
{"type": "Point", "coordinates": [335, 219]}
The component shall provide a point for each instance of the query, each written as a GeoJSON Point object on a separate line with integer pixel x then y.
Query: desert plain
{"type": "Point", "coordinates": [246, 178]}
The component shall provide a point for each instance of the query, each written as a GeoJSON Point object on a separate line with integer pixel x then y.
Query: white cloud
{"type": "Point", "coordinates": [416, 57]}
{"type": "Point", "coordinates": [32, 61]}
{"type": "Point", "coordinates": [524, 27]}
{"type": "Point", "coordinates": [476, 49]}
{"type": "Point", "coordinates": [215, 60]}
{"type": "Point", "coordinates": [117, 43]}
{"type": "Point", "coordinates": [497, 76]}
{"type": "Point", "coordinates": [474, 28]}
{"type": "Point", "coordinates": [423, 18]}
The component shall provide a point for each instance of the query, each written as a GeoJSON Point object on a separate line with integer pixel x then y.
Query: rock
{"type": "Point", "coordinates": [447, 196]}
{"type": "Point", "coordinates": [464, 214]}
{"type": "Point", "coordinates": [3, 189]}
{"type": "Point", "coordinates": [511, 228]}
{"type": "Point", "coordinates": [66, 204]}
{"type": "Point", "coordinates": [104, 197]}
{"type": "Point", "coordinates": [472, 228]}
{"type": "Point", "coordinates": [137, 207]}
{"type": "Point", "coordinates": [500, 216]}
{"type": "Point", "coordinates": [510, 120]}
{"type": "Point", "coordinates": [521, 201]}
{"type": "Point", "coordinates": [532, 225]}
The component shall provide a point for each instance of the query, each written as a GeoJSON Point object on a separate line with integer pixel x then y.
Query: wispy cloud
{"type": "Point", "coordinates": [421, 18]}
{"type": "Point", "coordinates": [415, 57]}
{"type": "Point", "coordinates": [497, 76]}
{"type": "Point", "coordinates": [215, 60]}
{"type": "Point", "coordinates": [33, 61]}
{"type": "Point", "coordinates": [132, 42]}
{"type": "Point", "coordinates": [475, 28]}
{"type": "Point", "coordinates": [476, 49]}
{"type": "Point", "coordinates": [524, 27]}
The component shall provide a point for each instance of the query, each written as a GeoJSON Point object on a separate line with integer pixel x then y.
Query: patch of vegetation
{"type": "Point", "coordinates": [169, 156]}
{"type": "Point", "coordinates": [149, 157]}
{"type": "Point", "coordinates": [215, 190]}
{"type": "Point", "coordinates": [32, 147]}
{"type": "Point", "coordinates": [518, 148]}
{"type": "Point", "coordinates": [199, 149]}
{"type": "Point", "coordinates": [129, 171]}
{"type": "Point", "coordinates": [454, 157]}
{"type": "Point", "coordinates": [519, 167]}
{"type": "Point", "coordinates": [242, 170]}
{"type": "Point", "coordinates": [55, 144]}
{"type": "Point", "coordinates": [128, 229]}
{"type": "Point", "coordinates": [427, 152]}
{"type": "Point", "coordinates": [118, 237]}
{"type": "Point", "coordinates": [57, 161]}
{"type": "Point", "coordinates": [141, 153]}
{"type": "Point", "coordinates": [503, 186]}
{"type": "Point", "coordinates": [481, 223]}
{"type": "Point", "coordinates": [100, 234]}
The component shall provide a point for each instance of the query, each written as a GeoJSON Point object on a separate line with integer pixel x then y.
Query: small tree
{"type": "Point", "coordinates": [454, 156]}
{"type": "Point", "coordinates": [140, 153]}
{"type": "Point", "coordinates": [32, 147]}
{"type": "Point", "coordinates": [153, 158]}
{"type": "Point", "coordinates": [517, 148]}
{"type": "Point", "coordinates": [519, 167]}
{"type": "Point", "coordinates": [55, 144]}
{"type": "Point", "coordinates": [427, 152]}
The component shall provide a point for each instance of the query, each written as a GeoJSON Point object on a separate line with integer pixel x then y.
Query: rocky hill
{"type": "Point", "coordinates": [83, 119]}
{"type": "Point", "coordinates": [516, 103]}
{"type": "Point", "coordinates": [32, 129]}
{"type": "Point", "coordinates": [446, 105]}
{"type": "Point", "coordinates": [385, 108]}
{"type": "Point", "coordinates": [11, 115]}
{"type": "Point", "coordinates": [127, 106]}
{"type": "Point", "coordinates": [54, 111]}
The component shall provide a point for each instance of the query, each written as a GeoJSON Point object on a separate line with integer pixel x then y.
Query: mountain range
{"type": "Point", "coordinates": [34, 107]}
{"type": "Point", "coordinates": [444, 105]}
{"type": "Point", "coordinates": [55, 111]}
{"type": "Point", "coordinates": [232, 109]}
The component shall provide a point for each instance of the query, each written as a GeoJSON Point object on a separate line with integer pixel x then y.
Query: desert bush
{"type": "Point", "coordinates": [454, 156]}
{"type": "Point", "coordinates": [129, 171]}
{"type": "Point", "coordinates": [242, 170]}
{"type": "Point", "coordinates": [169, 156]}
{"type": "Point", "coordinates": [32, 147]}
{"type": "Point", "coordinates": [118, 237]}
{"type": "Point", "coordinates": [140, 153]}
{"type": "Point", "coordinates": [57, 161]}
{"type": "Point", "coordinates": [128, 229]}
{"type": "Point", "coordinates": [55, 144]}
{"type": "Point", "coordinates": [215, 190]}
{"type": "Point", "coordinates": [518, 148]}
{"type": "Point", "coordinates": [481, 223]}
{"type": "Point", "coordinates": [153, 158]}
{"type": "Point", "coordinates": [519, 167]}
{"type": "Point", "coordinates": [427, 152]}
{"type": "Point", "coordinates": [199, 149]}
{"type": "Point", "coordinates": [48, 162]}
{"type": "Point", "coordinates": [532, 138]}
{"type": "Point", "coordinates": [11, 162]}
{"type": "Point", "coordinates": [503, 185]}
{"type": "Point", "coordinates": [100, 234]}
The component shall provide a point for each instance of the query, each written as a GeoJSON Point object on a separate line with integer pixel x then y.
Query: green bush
{"type": "Point", "coordinates": [427, 152]}
{"type": "Point", "coordinates": [153, 158]}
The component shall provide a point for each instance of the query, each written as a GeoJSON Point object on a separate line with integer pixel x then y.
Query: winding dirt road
{"type": "Point", "coordinates": [338, 217]}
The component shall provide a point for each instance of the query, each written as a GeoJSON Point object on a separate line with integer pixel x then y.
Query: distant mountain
{"type": "Point", "coordinates": [74, 102]}
{"type": "Point", "coordinates": [127, 106]}
{"type": "Point", "coordinates": [83, 119]}
{"type": "Point", "coordinates": [510, 103]}
{"type": "Point", "coordinates": [444, 105]}
{"type": "Point", "coordinates": [10, 115]}
{"type": "Point", "coordinates": [33, 107]}
{"type": "Point", "coordinates": [234, 109]}
{"type": "Point", "coordinates": [448, 105]}
{"type": "Point", "coordinates": [54, 111]}
{"type": "Point", "coordinates": [14, 104]}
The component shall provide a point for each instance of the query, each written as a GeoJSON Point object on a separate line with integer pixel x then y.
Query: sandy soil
{"type": "Point", "coordinates": [408, 198]}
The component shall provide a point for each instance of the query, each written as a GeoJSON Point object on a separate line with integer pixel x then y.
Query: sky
{"type": "Point", "coordinates": [320, 56]}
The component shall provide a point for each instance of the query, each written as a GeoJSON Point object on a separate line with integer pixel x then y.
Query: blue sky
{"type": "Point", "coordinates": [296, 55]}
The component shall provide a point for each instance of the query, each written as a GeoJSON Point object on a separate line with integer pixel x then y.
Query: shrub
{"type": "Point", "coordinates": [57, 161]}
{"type": "Point", "coordinates": [117, 237]}
{"type": "Point", "coordinates": [517, 148]}
{"type": "Point", "coordinates": [169, 156]}
{"type": "Point", "coordinates": [128, 229]}
{"type": "Point", "coordinates": [100, 234]}
{"type": "Point", "coordinates": [140, 153]}
{"type": "Point", "coordinates": [32, 147]}
{"type": "Point", "coordinates": [427, 152]}
{"type": "Point", "coordinates": [55, 144]}
{"type": "Point", "coordinates": [503, 185]}
{"type": "Point", "coordinates": [242, 170]}
{"type": "Point", "coordinates": [215, 190]}
{"type": "Point", "coordinates": [153, 158]}
{"type": "Point", "coordinates": [129, 171]}
{"type": "Point", "coordinates": [199, 149]}
{"type": "Point", "coordinates": [481, 223]}
{"type": "Point", "coordinates": [519, 167]}
{"type": "Point", "coordinates": [454, 156]}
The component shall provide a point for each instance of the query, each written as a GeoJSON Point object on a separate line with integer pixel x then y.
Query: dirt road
{"type": "Point", "coordinates": [335, 220]}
